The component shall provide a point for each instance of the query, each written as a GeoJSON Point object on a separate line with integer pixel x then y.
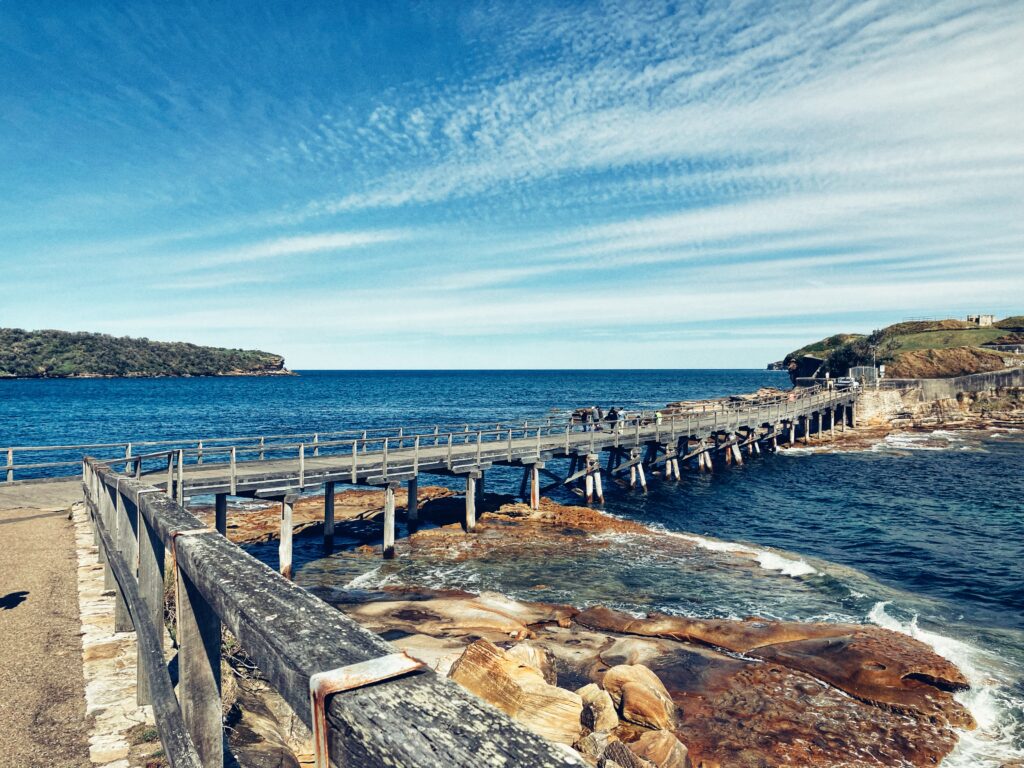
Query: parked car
{"type": "Point", "coordinates": [847, 382]}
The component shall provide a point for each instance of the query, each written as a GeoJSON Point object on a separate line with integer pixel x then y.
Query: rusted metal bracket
{"type": "Point", "coordinates": [360, 675]}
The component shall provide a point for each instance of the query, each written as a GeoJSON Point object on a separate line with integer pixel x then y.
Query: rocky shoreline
{"type": "Point", "coordinates": [625, 690]}
{"type": "Point", "coordinates": [670, 691]}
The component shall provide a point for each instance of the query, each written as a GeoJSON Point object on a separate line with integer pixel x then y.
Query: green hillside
{"type": "Point", "coordinates": [60, 354]}
{"type": "Point", "coordinates": [909, 349]}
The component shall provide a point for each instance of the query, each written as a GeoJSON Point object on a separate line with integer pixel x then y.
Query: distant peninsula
{"type": "Point", "coordinates": [915, 349]}
{"type": "Point", "coordinates": [66, 355]}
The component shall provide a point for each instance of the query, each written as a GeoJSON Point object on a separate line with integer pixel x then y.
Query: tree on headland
{"type": "Point", "coordinates": [60, 354]}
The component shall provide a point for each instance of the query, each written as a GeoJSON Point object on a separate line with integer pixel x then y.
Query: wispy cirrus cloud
{"type": "Point", "coordinates": [509, 170]}
{"type": "Point", "coordinates": [285, 247]}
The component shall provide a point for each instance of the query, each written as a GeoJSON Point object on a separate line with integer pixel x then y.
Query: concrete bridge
{"type": "Point", "coordinates": [365, 704]}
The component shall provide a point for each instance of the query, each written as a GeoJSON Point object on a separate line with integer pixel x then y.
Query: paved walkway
{"type": "Point", "coordinates": [43, 720]}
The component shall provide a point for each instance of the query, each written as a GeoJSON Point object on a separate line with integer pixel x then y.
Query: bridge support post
{"type": "Point", "coordinates": [832, 422]}
{"type": "Point", "coordinates": [480, 488]}
{"type": "Point", "coordinates": [470, 502]}
{"type": "Point", "coordinates": [412, 506]}
{"type": "Point", "coordinates": [329, 517]}
{"type": "Point", "coordinates": [807, 429]}
{"type": "Point", "coordinates": [151, 589]}
{"type": "Point", "coordinates": [595, 468]}
{"type": "Point", "coordinates": [534, 486]}
{"type": "Point", "coordinates": [221, 513]}
{"type": "Point", "coordinates": [389, 521]}
{"type": "Point", "coordinates": [199, 671]}
{"type": "Point", "coordinates": [842, 418]}
{"type": "Point", "coordinates": [737, 454]}
{"type": "Point", "coordinates": [792, 433]}
{"type": "Point", "coordinates": [284, 548]}
{"type": "Point", "coordinates": [640, 476]}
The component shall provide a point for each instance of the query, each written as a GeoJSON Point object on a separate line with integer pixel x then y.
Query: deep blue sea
{"type": "Point", "coordinates": [923, 533]}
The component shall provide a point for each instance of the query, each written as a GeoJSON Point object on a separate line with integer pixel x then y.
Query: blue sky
{"type": "Point", "coordinates": [489, 185]}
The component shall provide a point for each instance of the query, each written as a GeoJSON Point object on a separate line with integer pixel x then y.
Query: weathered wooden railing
{"type": "Point", "coordinates": [262, 444]}
{"type": "Point", "coordinates": [264, 447]}
{"type": "Point", "coordinates": [414, 719]}
{"type": "Point", "coordinates": [404, 452]}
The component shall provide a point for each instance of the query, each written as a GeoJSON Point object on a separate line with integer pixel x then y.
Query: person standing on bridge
{"type": "Point", "coordinates": [613, 417]}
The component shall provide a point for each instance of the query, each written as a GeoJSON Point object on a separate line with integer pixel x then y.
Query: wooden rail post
{"type": "Point", "coordinates": [412, 507]}
{"type": "Point", "coordinates": [221, 513]}
{"type": "Point", "coordinates": [10, 465]}
{"type": "Point", "coordinates": [170, 473]}
{"type": "Point", "coordinates": [127, 456]}
{"type": "Point", "coordinates": [181, 477]}
{"type": "Point", "coordinates": [329, 516]}
{"type": "Point", "coordinates": [105, 509]}
{"type": "Point", "coordinates": [284, 548]}
{"type": "Point", "coordinates": [389, 521]}
{"type": "Point", "coordinates": [470, 502]}
{"type": "Point", "coordinates": [151, 589]}
{"type": "Point", "coordinates": [126, 545]}
{"type": "Point", "coordinates": [199, 671]}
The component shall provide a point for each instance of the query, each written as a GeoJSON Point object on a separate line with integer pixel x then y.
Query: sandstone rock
{"type": "Point", "coordinates": [751, 714]}
{"type": "Point", "coordinates": [535, 658]}
{"type": "Point", "coordinates": [662, 749]}
{"type": "Point", "coordinates": [593, 745]}
{"type": "Point", "coordinates": [646, 706]}
{"type": "Point", "coordinates": [844, 709]}
{"type": "Point", "coordinates": [640, 696]}
{"type": "Point", "coordinates": [867, 662]}
{"type": "Point", "coordinates": [618, 754]}
{"type": "Point", "coordinates": [486, 615]}
{"type": "Point", "coordinates": [598, 708]}
{"type": "Point", "coordinates": [520, 691]}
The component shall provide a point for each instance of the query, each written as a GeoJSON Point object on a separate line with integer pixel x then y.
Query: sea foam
{"type": "Point", "coordinates": [989, 699]}
{"type": "Point", "coordinates": [770, 561]}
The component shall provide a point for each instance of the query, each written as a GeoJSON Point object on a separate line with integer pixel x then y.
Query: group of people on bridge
{"type": "Point", "coordinates": [596, 419]}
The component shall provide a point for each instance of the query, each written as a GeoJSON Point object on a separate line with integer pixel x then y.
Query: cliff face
{"type": "Point", "coordinates": [943, 363]}
{"type": "Point", "coordinates": [914, 349]}
{"type": "Point", "coordinates": [60, 354]}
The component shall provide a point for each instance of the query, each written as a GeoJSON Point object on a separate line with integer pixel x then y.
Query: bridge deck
{"type": "Point", "coordinates": [393, 459]}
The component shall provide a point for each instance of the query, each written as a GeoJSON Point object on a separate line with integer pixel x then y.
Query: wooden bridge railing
{"type": "Point", "coordinates": [404, 452]}
{"type": "Point", "coordinates": [192, 446]}
{"type": "Point", "coordinates": [417, 718]}
{"type": "Point", "coordinates": [201, 450]}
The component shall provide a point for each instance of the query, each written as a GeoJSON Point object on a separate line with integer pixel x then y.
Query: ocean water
{"type": "Point", "coordinates": [922, 533]}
